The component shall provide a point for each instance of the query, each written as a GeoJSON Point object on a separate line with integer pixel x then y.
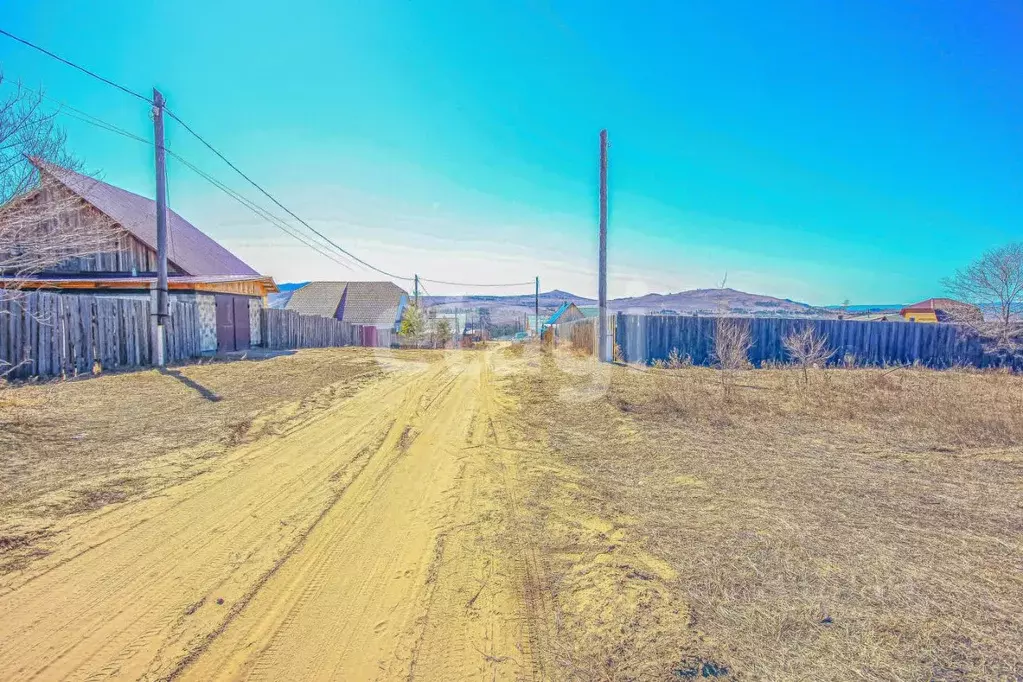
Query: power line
{"type": "Point", "coordinates": [260, 211]}
{"type": "Point", "coordinates": [76, 66]}
{"type": "Point", "coordinates": [282, 206]}
{"type": "Point", "coordinates": [472, 284]}
{"type": "Point", "coordinates": [87, 118]}
{"type": "Point", "coordinates": [252, 206]}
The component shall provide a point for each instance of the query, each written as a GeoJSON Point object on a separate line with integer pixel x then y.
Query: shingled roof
{"type": "Point", "coordinates": [317, 298]}
{"type": "Point", "coordinates": [189, 249]}
{"type": "Point", "coordinates": [368, 303]}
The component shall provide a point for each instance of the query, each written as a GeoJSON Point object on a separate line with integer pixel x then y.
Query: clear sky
{"type": "Point", "coordinates": [812, 150]}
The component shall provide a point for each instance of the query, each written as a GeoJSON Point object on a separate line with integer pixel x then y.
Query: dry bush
{"type": "Point", "coordinates": [732, 343]}
{"type": "Point", "coordinates": [515, 350]}
{"type": "Point", "coordinates": [807, 349]}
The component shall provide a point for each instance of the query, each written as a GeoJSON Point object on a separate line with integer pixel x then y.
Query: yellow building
{"type": "Point", "coordinates": [941, 310]}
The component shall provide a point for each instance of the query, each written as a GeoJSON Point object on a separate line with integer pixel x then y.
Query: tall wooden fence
{"type": "Point", "coordinates": [282, 329]}
{"type": "Point", "coordinates": [646, 338]}
{"type": "Point", "coordinates": [49, 334]}
{"type": "Point", "coordinates": [581, 335]}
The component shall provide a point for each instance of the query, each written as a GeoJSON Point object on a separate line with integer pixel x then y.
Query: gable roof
{"type": "Point", "coordinates": [317, 298]}
{"type": "Point", "coordinates": [932, 304]}
{"type": "Point", "coordinates": [369, 303]}
{"type": "Point", "coordinates": [188, 248]}
{"type": "Point", "coordinates": [372, 303]}
{"type": "Point", "coordinates": [553, 319]}
{"type": "Point", "coordinates": [945, 309]}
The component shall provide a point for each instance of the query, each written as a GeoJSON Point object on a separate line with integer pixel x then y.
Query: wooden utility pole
{"type": "Point", "coordinates": [536, 301]}
{"type": "Point", "coordinates": [602, 265]}
{"type": "Point", "coordinates": [417, 290]}
{"type": "Point", "coordinates": [161, 231]}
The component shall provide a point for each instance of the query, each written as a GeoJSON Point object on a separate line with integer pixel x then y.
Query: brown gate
{"type": "Point", "coordinates": [242, 332]}
{"type": "Point", "coordinates": [233, 331]}
{"type": "Point", "coordinates": [225, 324]}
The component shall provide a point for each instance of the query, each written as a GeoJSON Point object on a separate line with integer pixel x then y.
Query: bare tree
{"type": "Point", "coordinates": [993, 282]}
{"type": "Point", "coordinates": [807, 349]}
{"type": "Point", "coordinates": [40, 224]}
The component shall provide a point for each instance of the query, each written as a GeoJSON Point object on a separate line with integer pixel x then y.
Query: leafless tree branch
{"type": "Point", "coordinates": [995, 283]}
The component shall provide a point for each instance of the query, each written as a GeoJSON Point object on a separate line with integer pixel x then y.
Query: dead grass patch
{"type": "Point", "coordinates": [863, 524]}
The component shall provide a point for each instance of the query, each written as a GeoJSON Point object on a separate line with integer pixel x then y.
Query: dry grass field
{"type": "Point", "coordinates": [865, 525]}
{"type": "Point", "coordinates": [511, 514]}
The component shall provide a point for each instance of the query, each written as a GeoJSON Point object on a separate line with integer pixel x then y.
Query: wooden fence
{"type": "Point", "coordinates": [282, 329]}
{"type": "Point", "coordinates": [646, 338]}
{"type": "Point", "coordinates": [49, 334]}
{"type": "Point", "coordinates": [580, 335]}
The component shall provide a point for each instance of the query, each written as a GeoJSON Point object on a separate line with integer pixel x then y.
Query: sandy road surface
{"type": "Point", "coordinates": [375, 541]}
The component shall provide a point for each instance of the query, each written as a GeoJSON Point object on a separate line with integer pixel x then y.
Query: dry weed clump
{"type": "Point", "coordinates": [865, 525]}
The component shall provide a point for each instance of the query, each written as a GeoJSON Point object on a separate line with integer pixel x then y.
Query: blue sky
{"type": "Point", "coordinates": [815, 151]}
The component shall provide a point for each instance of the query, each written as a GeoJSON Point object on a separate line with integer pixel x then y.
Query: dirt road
{"type": "Point", "coordinates": [376, 540]}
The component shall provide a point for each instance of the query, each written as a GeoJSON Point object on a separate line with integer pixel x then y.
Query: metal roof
{"type": "Point", "coordinates": [188, 248]}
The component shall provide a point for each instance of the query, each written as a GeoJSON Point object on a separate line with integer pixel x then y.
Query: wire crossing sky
{"type": "Point", "coordinates": [813, 152]}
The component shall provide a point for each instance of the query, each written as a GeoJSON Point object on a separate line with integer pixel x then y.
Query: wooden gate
{"type": "Point", "coordinates": [225, 323]}
{"type": "Point", "coordinates": [242, 332]}
{"type": "Point", "coordinates": [233, 331]}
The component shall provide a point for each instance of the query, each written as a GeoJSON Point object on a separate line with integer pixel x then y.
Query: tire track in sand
{"type": "Point", "coordinates": [135, 604]}
{"type": "Point", "coordinates": [388, 585]}
{"type": "Point", "coordinates": [372, 543]}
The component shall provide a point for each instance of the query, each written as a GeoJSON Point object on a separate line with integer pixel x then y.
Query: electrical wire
{"type": "Point", "coordinates": [87, 118]}
{"type": "Point", "coordinates": [282, 206]}
{"type": "Point", "coordinates": [76, 66]}
{"type": "Point", "coordinates": [261, 212]}
{"type": "Point", "coordinates": [78, 114]}
{"type": "Point", "coordinates": [472, 284]}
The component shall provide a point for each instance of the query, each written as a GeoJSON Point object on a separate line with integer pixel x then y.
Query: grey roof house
{"type": "Point", "coordinates": [377, 304]}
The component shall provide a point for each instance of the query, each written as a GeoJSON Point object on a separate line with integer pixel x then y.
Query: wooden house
{"type": "Point", "coordinates": [121, 226]}
{"type": "Point", "coordinates": [941, 310]}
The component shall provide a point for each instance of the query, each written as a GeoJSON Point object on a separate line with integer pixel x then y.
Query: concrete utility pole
{"type": "Point", "coordinates": [161, 230]}
{"type": "Point", "coordinates": [602, 282]}
{"type": "Point", "coordinates": [536, 320]}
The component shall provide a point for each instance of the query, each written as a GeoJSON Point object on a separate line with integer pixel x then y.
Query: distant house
{"type": "Point", "coordinates": [942, 310]}
{"type": "Point", "coordinates": [376, 304]}
{"type": "Point", "coordinates": [568, 312]}
{"type": "Point", "coordinates": [122, 227]}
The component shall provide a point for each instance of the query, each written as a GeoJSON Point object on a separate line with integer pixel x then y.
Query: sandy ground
{"type": "Point", "coordinates": [360, 544]}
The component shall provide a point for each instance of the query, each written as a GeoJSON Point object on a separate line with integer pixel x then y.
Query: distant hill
{"type": "Point", "coordinates": [711, 301]}
{"type": "Point", "coordinates": [705, 301]}
{"type": "Point", "coordinates": [867, 308]}
{"type": "Point", "coordinates": [702, 301]}
{"type": "Point", "coordinates": [280, 299]}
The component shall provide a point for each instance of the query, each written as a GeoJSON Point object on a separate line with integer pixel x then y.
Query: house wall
{"type": "Point", "coordinates": [920, 317]}
{"type": "Point", "coordinates": [68, 235]}
{"type": "Point", "coordinates": [207, 323]}
{"type": "Point", "coordinates": [571, 314]}
{"type": "Point", "coordinates": [255, 308]}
